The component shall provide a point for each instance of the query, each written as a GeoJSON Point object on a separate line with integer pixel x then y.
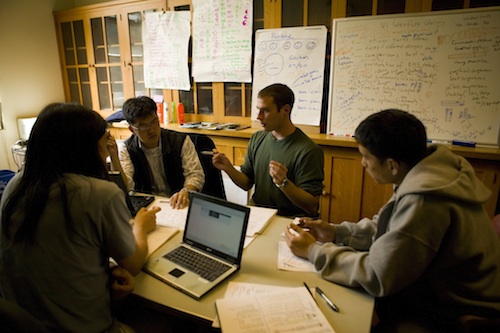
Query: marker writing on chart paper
{"type": "Point", "coordinates": [207, 152]}
{"type": "Point", "coordinates": [330, 303]}
{"type": "Point", "coordinates": [309, 290]}
{"type": "Point", "coordinates": [463, 143]}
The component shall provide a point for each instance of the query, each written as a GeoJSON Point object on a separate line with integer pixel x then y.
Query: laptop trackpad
{"type": "Point", "coordinates": [176, 272]}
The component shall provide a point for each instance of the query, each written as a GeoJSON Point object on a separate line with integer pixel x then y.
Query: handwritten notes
{"type": "Point", "coordinates": [276, 310]}
{"type": "Point", "coordinates": [166, 36]}
{"type": "Point", "coordinates": [441, 67]}
{"type": "Point", "coordinates": [287, 261]}
{"type": "Point", "coordinates": [222, 40]}
{"type": "Point", "coordinates": [295, 57]}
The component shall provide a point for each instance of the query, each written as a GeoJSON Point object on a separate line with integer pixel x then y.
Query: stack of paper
{"type": "Point", "coordinates": [259, 219]}
{"type": "Point", "coordinates": [176, 218]}
{"type": "Point", "coordinates": [261, 308]}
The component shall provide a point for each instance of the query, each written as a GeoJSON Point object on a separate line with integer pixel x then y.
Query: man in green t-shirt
{"type": "Point", "coordinates": [283, 163]}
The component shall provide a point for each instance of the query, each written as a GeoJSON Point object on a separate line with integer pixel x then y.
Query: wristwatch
{"type": "Point", "coordinates": [283, 183]}
{"type": "Point", "coordinates": [188, 190]}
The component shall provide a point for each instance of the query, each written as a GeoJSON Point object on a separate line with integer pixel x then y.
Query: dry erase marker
{"type": "Point", "coordinates": [327, 300]}
{"type": "Point", "coordinates": [438, 141]}
{"type": "Point", "coordinates": [207, 152]}
{"type": "Point", "coordinates": [463, 143]}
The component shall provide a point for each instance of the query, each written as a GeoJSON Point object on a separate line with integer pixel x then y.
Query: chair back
{"type": "Point", "coordinates": [214, 184]}
{"type": "Point", "coordinates": [496, 223]}
{"type": "Point", "coordinates": [5, 177]}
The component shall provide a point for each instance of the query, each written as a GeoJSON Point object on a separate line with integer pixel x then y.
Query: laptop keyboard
{"type": "Point", "coordinates": [207, 268]}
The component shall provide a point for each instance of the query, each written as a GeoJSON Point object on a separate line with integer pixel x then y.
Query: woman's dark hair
{"type": "Point", "coordinates": [393, 134]}
{"type": "Point", "coordinates": [64, 139]}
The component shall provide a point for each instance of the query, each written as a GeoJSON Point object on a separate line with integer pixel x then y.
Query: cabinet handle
{"type": "Point", "coordinates": [325, 194]}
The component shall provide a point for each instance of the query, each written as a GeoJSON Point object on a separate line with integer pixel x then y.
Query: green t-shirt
{"type": "Point", "coordinates": [302, 157]}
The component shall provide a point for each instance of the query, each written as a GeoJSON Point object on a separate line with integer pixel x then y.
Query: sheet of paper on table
{"type": "Point", "coordinates": [287, 261]}
{"type": "Point", "coordinates": [251, 308]}
{"type": "Point", "coordinates": [176, 218]}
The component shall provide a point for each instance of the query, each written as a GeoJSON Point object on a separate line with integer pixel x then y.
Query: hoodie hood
{"type": "Point", "coordinates": [443, 173]}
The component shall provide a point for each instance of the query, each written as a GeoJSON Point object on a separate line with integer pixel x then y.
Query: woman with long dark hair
{"type": "Point", "coordinates": [61, 222]}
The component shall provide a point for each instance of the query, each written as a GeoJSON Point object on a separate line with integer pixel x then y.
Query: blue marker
{"type": "Point", "coordinates": [463, 143]}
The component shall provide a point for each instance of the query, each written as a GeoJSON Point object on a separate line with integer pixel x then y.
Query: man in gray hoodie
{"type": "Point", "coordinates": [430, 256]}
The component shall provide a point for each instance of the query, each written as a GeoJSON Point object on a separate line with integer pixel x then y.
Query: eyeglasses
{"type": "Point", "coordinates": [143, 128]}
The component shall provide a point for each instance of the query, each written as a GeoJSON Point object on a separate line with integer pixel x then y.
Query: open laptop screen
{"type": "Point", "coordinates": [216, 226]}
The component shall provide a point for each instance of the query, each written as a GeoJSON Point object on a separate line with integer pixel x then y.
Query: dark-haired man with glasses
{"type": "Point", "coordinates": [156, 160]}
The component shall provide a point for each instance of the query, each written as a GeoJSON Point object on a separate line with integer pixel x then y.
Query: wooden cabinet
{"type": "Point", "coordinates": [489, 173]}
{"type": "Point", "coordinates": [221, 102]}
{"type": "Point", "coordinates": [101, 53]}
{"type": "Point", "coordinates": [341, 195]}
{"type": "Point", "coordinates": [350, 193]}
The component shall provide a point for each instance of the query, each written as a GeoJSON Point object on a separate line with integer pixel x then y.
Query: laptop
{"type": "Point", "coordinates": [211, 248]}
{"type": "Point", "coordinates": [134, 202]}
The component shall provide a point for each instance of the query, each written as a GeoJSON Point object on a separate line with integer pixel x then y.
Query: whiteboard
{"type": "Point", "coordinates": [295, 57]}
{"type": "Point", "coordinates": [443, 67]}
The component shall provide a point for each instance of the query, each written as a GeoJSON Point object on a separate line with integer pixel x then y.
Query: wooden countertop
{"type": "Point", "coordinates": [485, 153]}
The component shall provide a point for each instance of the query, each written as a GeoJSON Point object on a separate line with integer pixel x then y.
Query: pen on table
{"type": "Point", "coordinates": [309, 290]}
{"type": "Point", "coordinates": [330, 303]}
{"type": "Point", "coordinates": [207, 152]}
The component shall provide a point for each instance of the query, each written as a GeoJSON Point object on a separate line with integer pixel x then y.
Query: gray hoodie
{"type": "Point", "coordinates": [430, 250]}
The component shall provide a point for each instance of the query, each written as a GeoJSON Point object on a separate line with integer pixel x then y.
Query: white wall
{"type": "Point", "coordinates": [30, 75]}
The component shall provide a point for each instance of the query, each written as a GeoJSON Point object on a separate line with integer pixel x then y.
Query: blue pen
{"type": "Point", "coordinates": [463, 143]}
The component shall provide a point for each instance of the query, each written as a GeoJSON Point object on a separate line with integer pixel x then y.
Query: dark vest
{"type": "Point", "coordinates": [171, 147]}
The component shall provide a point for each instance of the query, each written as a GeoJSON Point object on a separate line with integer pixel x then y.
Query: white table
{"type": "Point", "coordinates": [259, 265]}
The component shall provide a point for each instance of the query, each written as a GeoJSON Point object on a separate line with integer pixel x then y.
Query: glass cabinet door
{"type": "Point", "coordinates": [103, 53]}
{"type": "Point", "coordinates": [306, 12]}
{"type": "Point", "coordinates": [107, 62]}
{"type": "Point", "coordinates": [370, 7]}
{"type": "Point", "coordinates": [76, 62]}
